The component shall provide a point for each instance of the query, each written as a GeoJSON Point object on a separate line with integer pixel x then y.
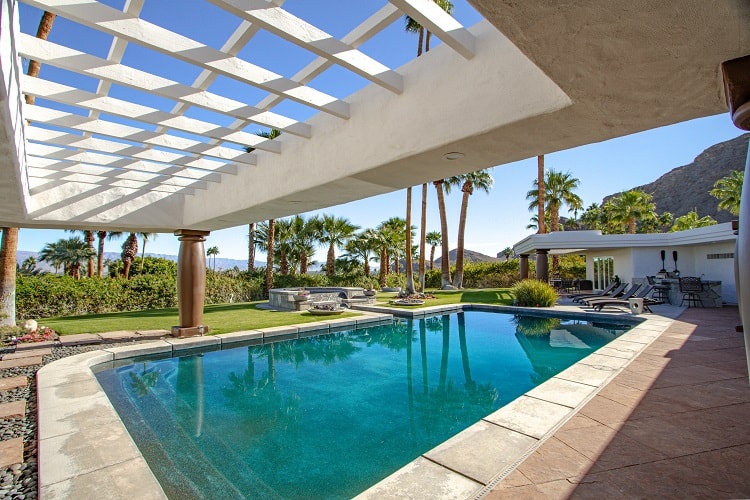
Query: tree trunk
{"type": "Point", "coordinates": [408, 259]}
{"type": "Point", "coordinates": [8, 248]}
{"type": "Point", "coordinates": [331, 261]}
{"type": "Point", "coordinates": [269, 256]}
{"type": "Point", "coordinates": [432, 257]}
{"type": "Point", "coordinates": [251, 247]}
{"type": "Point", "coordinates": [100, 253]}
{"type": "Point", "coordinates": [445, 264]}
{"type": "Point", "coordinates": [423, 238]}
{"type": "Point", "coordinates": [383, 266]}
{"type": "Point", "coordinates": [540, 183]}
{"type": "Point", "coordinates": [458, 278]}
{"type": "Point", "coordinates": [89, 235]}
{"type": "Point", "coordinates": [303, 263]}
{"type": "Point", "coordinates": [284, 265]}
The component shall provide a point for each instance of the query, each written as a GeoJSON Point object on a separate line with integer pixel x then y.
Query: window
{"type": "Point", "coordinates": [604, 271]}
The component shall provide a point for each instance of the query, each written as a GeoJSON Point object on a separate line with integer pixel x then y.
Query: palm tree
{"type": "Point", "coordinates": [433, 239]}
{"type": "Point", "coordinates": [729, 191]}
{"type": "Point", "coordinates": [272, 134]}
{"type": "Point", "coordinates": [482, 180]}
{"type": "Point", "coordinates": [361, 247]}
{"type": "Point", "coordinates": [305, 236]}
{"type": "Point", "coordinates": [335, 231]}
{"type": "Point", "coordinates": [541, 196]}
{"type": "Point", "coordinates": [283, 243]}
{"type": "Point", "coordinates": [407, 252]}
{"type": "Point", "coordinates": [9, 241]}
{"type": "Point", "coordinates": [631, 205]}
{"type": "Point", "coordinates": [69, 254]}
{"type": "Point", "coordinates": [445, 265]}
{"type": "Point", "coordinates": [146, 237]}
{"type": "Point", "coordinates": [213, 252]}
{"type": "Point", "coordinates": [88, 236]}
{"type": "Point", "coordinates": [557, 191]}
{"type": "Point", "coordinates": [251, 246]}
{"type": "Point", "coordinates": [129, 253]}
{"type": "Point", "coordinates": [49, 254]}
{"type": "Point", "coordinates": [507, 253]}
{"type": "Point", "coordinates": [423, 44]}
{"type": "Point", "coordinates": [691, 221]}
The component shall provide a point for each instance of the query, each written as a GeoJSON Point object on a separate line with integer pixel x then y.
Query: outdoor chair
{"type": "Point", "coordinates": [661, 291]}
{"type": "Point", "coordinates": [624, 296]}
{"type": "Point", "coordinates": [642, 293]}
{"type": "Point", "coordinates": [607, 290]}
{"type": "Point", "coordinates": [691, 288]}
{"type": "Point", "coordinates": [613, 293]}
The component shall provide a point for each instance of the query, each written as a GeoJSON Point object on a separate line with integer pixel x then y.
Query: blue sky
{"type": "Point", "coordinates": [495, 220]}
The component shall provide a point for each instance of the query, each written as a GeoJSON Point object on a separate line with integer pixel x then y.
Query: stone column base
{"type": "Point", "coordinates": [190, 331]}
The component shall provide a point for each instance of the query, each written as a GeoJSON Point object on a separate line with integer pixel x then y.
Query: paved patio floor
{"type": "Point", "coordinates": [674, 424]}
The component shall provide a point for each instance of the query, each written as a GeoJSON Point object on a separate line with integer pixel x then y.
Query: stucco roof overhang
{"type": "Point", "coordinates": [581, 242]}
{"type": "Point", "coordinates": [534, 78]}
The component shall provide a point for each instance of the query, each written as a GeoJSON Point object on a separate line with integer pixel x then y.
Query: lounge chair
{"type": "Point", "coordinates": [625, 295]}
{"type": "Point", "coordinates": [643, 294]}
{"type": "Point", "coordinates": [607, 290]}
{"type": "Point", "coordinates": [613, 293]}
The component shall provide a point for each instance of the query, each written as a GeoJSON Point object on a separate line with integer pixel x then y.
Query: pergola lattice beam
{"type": "Point", "coordinates": [309, 37]}
{"type": "Point", "coordinates": [117, 23]}
{"type": "Point", "coordinates": [63, 139]}
{"type": "Point", "coordinates": [439, 23]}
{"type": "Point", "coordinates": [86, 64]}
{"type": "Point", "coordinates": [119, 163]}
{"type": "Point", "coordinates": [65, 94]}
{"type": "Point", "coordinates": [40, 114]}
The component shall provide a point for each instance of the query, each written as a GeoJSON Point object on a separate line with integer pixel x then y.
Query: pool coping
{"type": "Point", "coordinates": [84, 448]}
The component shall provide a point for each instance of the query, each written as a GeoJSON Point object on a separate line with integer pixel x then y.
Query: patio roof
{"type": "Point", "coordinates": [580, 242]}
{"type": "Point", "coordinates": [530, 79]}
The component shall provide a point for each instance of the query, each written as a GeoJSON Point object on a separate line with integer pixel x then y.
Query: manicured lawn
{"type": "Point", "coordinates": [225, 318]}
{"type": "Point", "coordinates": [500, 296]}
{"type": "Point", "coordinates": [221, 318]}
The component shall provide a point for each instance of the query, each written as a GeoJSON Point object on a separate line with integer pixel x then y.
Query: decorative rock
{"type": "Point", "coordinates": [30, 325]}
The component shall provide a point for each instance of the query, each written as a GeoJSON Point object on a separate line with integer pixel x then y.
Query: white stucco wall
{"type": "Point", "coordinates": [637, 263]}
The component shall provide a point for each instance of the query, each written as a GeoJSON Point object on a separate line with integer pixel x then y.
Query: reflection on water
{"type": "Point", "coordinates": [330, 415]}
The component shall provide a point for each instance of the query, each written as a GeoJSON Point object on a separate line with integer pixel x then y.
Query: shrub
{"type": "Point", "coordinates": [533, 293]}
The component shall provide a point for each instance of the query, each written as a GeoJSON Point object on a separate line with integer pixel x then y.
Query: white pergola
{"type": "Point", "coordinates": [533, 77]}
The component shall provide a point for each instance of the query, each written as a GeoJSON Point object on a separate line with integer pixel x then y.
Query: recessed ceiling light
{"type": "Point", "coordinates": [453, 156]}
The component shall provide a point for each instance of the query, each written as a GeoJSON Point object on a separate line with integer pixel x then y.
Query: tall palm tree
{"type": "Point", "coordinates": [729, 191]}
{"type": "Point", "coordinates": [482, 180]}
{"type": "Point", "coordinates": [50, 255]}
{"type": "Point", "coordinates": [423, 45]}
{"type": "Point", "coordinates": [251, 246]}
{"type": "Point", "coordinates": [335, 231]}
{"type": "Point", "coordinates": [558, 191]}
{"type": "Point", "coordinates": [213, 252]}
{"type": "Point", "coordinates": [9, 241]}
{"type": "Point", "coordinates": [407, 252]}
{"type": "Point", "coordinates": [541, 196]}
{"type": "Point", "coordinates": [129, 253]}
{"type": "Point", "coordinates": [630, 206]}
{"type": "Point", "coordinates": [445, 264]}
{"type": "Point", "coordinates": [395, 239]}
{"type": "Point", "coordinates": [272, 134]}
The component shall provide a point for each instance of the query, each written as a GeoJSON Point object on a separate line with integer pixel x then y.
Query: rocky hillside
{"type": "Point", "coordinates": [469, 256]}
{"type": "Point", "coordinates": [686, 188]}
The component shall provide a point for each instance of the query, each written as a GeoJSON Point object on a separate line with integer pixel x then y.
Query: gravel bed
{"type": "Point", "coordinates": [19, 481]}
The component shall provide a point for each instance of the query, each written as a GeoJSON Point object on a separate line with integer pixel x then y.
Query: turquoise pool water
{"type": "Point", "coordinates": [328, 416]}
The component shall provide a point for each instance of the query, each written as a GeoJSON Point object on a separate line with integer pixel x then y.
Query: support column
{"type": "Point", "coordinates": [542, 266]}
{"type": "Point", "coordinates": [737, 90]}
{"type": "Point", "coordinates": [191, 283]}
{"type": "Point", "coordinates": [524, 266]}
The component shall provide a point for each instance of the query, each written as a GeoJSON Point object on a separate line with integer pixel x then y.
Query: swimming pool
{"type": "Point", "coordinates": [330, 415]}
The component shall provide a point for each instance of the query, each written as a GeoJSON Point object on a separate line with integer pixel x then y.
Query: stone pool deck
{"type": "Point", "coordinates": [660, 411]}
